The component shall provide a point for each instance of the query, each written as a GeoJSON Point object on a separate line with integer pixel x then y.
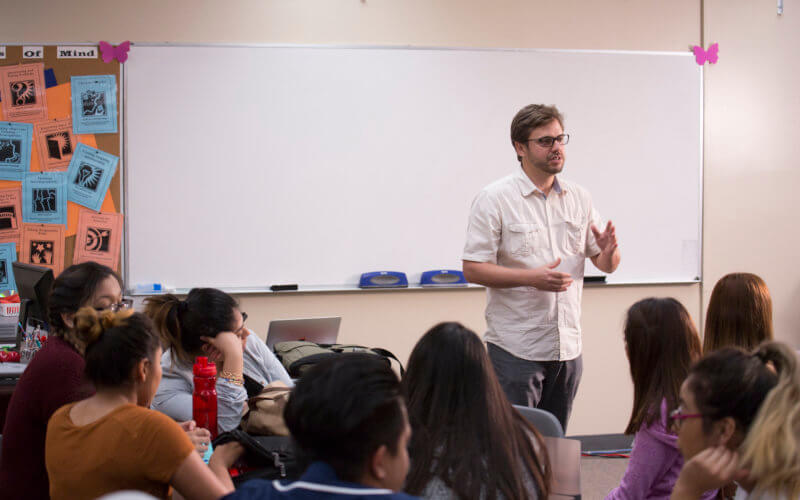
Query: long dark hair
{"type": "Point", "coordinates": [739, 313]}
{"type": "Point", "coordinates": [204, 313]}
{"type": "Point", "coordinates": [662, 342]}
{"type": "Point", "coordinates": [465, 430]}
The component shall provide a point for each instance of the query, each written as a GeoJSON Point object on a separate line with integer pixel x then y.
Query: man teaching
{"type": "Point", "coordinates": [528, 236]}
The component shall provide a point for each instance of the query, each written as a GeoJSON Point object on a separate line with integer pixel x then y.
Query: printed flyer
{"type": "Point", "coordinates": [23, 92]}
{"type": "Point", "coordinates": [43, 245]}
{"type": "Point", "coordinates": [8, 254]}
{"type": "Point", "coordinates": [98, 238]}
{"type": "Point", "coordinates": [89, 175]}
{"type": "Point", "coordinates": [44, 197]}
{"type": "Point", "coordinates": [94, 104]}
{"type": "Point", "coordinates": [55, 144]}
{"type": "Point", "coordinates": [10, 215]}
{"type": "Point", "coordinates": [15, 150]}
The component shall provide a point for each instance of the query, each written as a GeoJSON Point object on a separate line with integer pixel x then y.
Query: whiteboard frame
{"type": "Point", "coordinates": [130, 287]}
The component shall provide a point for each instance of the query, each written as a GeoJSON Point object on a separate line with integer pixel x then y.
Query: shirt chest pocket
{"type": "Point", "coordinates": [523, 239]}
{"type": "Point", "coordinates": [574, 235]}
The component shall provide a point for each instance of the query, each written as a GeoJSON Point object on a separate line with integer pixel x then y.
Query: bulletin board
{"type": "Point", "coordinates": [97, 240]}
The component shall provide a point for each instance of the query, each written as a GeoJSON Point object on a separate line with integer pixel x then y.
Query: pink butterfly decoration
{"type": "Point", "coordinates": [120, 52]}
{"type": "Point", "coordinates": [711, 55]}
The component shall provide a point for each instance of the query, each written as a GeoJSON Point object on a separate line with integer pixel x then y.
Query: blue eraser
{"type": "Point", "coordinates": [383, 279]}
{"type": "Point", "coordinates": [443, 278]}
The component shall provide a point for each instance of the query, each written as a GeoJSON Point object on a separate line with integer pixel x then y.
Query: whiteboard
{"type": "Point", "coordinates": [251, 166]}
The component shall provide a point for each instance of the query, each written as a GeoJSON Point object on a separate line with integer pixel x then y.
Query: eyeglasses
{"type": "Point", "coordinates": [547, 141]}
{"type": "Point", "coordinates": [240, 330]}
{"type": "Point", "coordinates": [117, 306]}
{"type": "Point", "coordinates": [677, 416]}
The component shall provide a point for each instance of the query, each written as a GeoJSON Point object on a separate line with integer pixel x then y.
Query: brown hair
{"type": "Point", "coordinates": [662, 342]}
{"type": "Point", "coordinates": [530, 117]}
{"type": "Point", "coordinates": [465, 430]}
{"type": "Point", "coordinates": [204, 313]}
{"type": "Point", "coordinates": [115, 343]}
{"type": "Point", "coordinates": [739, 313]}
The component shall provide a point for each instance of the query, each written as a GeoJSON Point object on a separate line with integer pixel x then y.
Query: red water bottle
{"type": "Point", "coordinates": [204, 398]}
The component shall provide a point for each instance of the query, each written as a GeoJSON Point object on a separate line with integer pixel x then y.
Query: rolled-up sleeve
{"type": "Point", "coordinates": [484, 230]}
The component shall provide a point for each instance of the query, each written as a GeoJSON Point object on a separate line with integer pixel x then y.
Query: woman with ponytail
{"type": "Point", "coordinates": [112, 441]}
{"type": "Point", "coordinates": [54, 377]}
{"type": "Point", "coordinates": [209, 323]}
{"type": "Point", "coordinates": [739, 420]}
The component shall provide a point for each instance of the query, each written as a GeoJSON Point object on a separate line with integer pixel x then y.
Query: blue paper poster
{"type": "Point", "coordinates": [94, 104]}
{"type": "Point", "coordinates": [8, 254]}
{"type": "Point", "coordinates": [44, 197]}
{"type": "Point", "coordinates": [89, 174]}
{"type": "Point", "coordinates": [16, 140]}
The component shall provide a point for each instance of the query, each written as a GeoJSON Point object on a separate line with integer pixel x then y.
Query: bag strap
{"type": "Point", "coordinates": [388, 354]}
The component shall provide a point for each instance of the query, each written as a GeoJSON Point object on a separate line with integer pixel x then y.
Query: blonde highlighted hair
{"type": "Point", "coordinates": [771, 451]}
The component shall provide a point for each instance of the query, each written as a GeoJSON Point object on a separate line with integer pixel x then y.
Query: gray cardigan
{"type": "Point", "coordinates": [174, 395]}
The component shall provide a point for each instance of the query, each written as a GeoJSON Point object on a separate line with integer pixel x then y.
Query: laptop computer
{"type": "Point", "coordinates": [319, 330]}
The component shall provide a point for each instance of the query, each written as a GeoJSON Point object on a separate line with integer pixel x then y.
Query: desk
{"type": "Point", "coordinates": [565, 462]}
{"type": "Point", "coordinates": [9, 375]}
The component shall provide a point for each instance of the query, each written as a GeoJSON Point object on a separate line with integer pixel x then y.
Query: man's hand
{"type": "Point", "coordinates": [710, 469]}
{"type": "Point", "coordinates": [608, 258]}
{"type": "Point", "coordinates": [607, 240]}
{"type": "Point", "coordinates": [544, 278]}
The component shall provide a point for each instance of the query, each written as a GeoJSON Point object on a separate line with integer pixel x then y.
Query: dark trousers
{"type": "Point", "coordinates": [549, 385]}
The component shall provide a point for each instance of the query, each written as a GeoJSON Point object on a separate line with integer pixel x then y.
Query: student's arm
{"type": "Point", "coordinates": [193, 479]}
{"type": "Point", "coordinates": [496, 276]}
{"type": "Point", "coordinates": [650, 459]}
{"type": "Point", "coordinates": [710, 469]}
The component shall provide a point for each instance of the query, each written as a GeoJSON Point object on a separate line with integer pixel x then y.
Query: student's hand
{"type": "Point", "coordinates": [214, 355]}
{"type": "Point", "coordinates": [199, 436]}
{"type": "Point", "coordinates": [227, 343]}
{"type": "Point", "coordinates": [545, 278]}
{"type": "Point", "coordinates": [710, 469]}
{"type": "Point", "coordinates": [607, 240]}
{"type": "Point", "coordinates": [225, 455]}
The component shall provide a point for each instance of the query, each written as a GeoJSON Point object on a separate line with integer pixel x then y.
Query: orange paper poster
{"type": "Point", "coordinates": [55, 143]}
{"type": "Point", "coordinates": [10, 215]}
{"type": "Point", "coordinates": [98, 238]}
{"type": "Point", "coordinates": [23, 94]}
{"type": "Point", "coordinates": [43, 245]}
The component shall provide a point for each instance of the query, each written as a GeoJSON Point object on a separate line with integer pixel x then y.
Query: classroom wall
{"type": "Point", "coordinates": [750, 109]}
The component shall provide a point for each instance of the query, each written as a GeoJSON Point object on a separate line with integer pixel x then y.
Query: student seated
{"type": "Point", "coordinates": [739, 313]}
{"type": "Point", "coordinates": [209, 323]}
{"type": "Point", "coordinates": [467, 441]}
{"type": "Point", "coordinates": [53, 378]}
{"type": "Point", "coordinates": [112, 441]}
{"type": "Point", "coordinates": [739, 420]}
{"type": "Point", "coordinates": [661, 342]}
{"type": "Point", "coordinates": [347, 418]}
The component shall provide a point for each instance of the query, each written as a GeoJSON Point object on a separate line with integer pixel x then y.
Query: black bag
{"type": "Point", "coordinates": [266, 457]}
{"type": "Point", "coordinates": [298, 356]}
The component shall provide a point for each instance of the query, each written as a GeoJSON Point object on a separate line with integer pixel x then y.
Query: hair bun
{"type": "Point", "coordinates": [90, 324]}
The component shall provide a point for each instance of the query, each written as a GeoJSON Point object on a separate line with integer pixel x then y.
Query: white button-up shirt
{"type": "Point", "coordinates": [513, 224]}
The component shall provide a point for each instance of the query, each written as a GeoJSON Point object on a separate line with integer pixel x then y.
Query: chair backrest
{"type": "Point", "coordinates": [544, 421]}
